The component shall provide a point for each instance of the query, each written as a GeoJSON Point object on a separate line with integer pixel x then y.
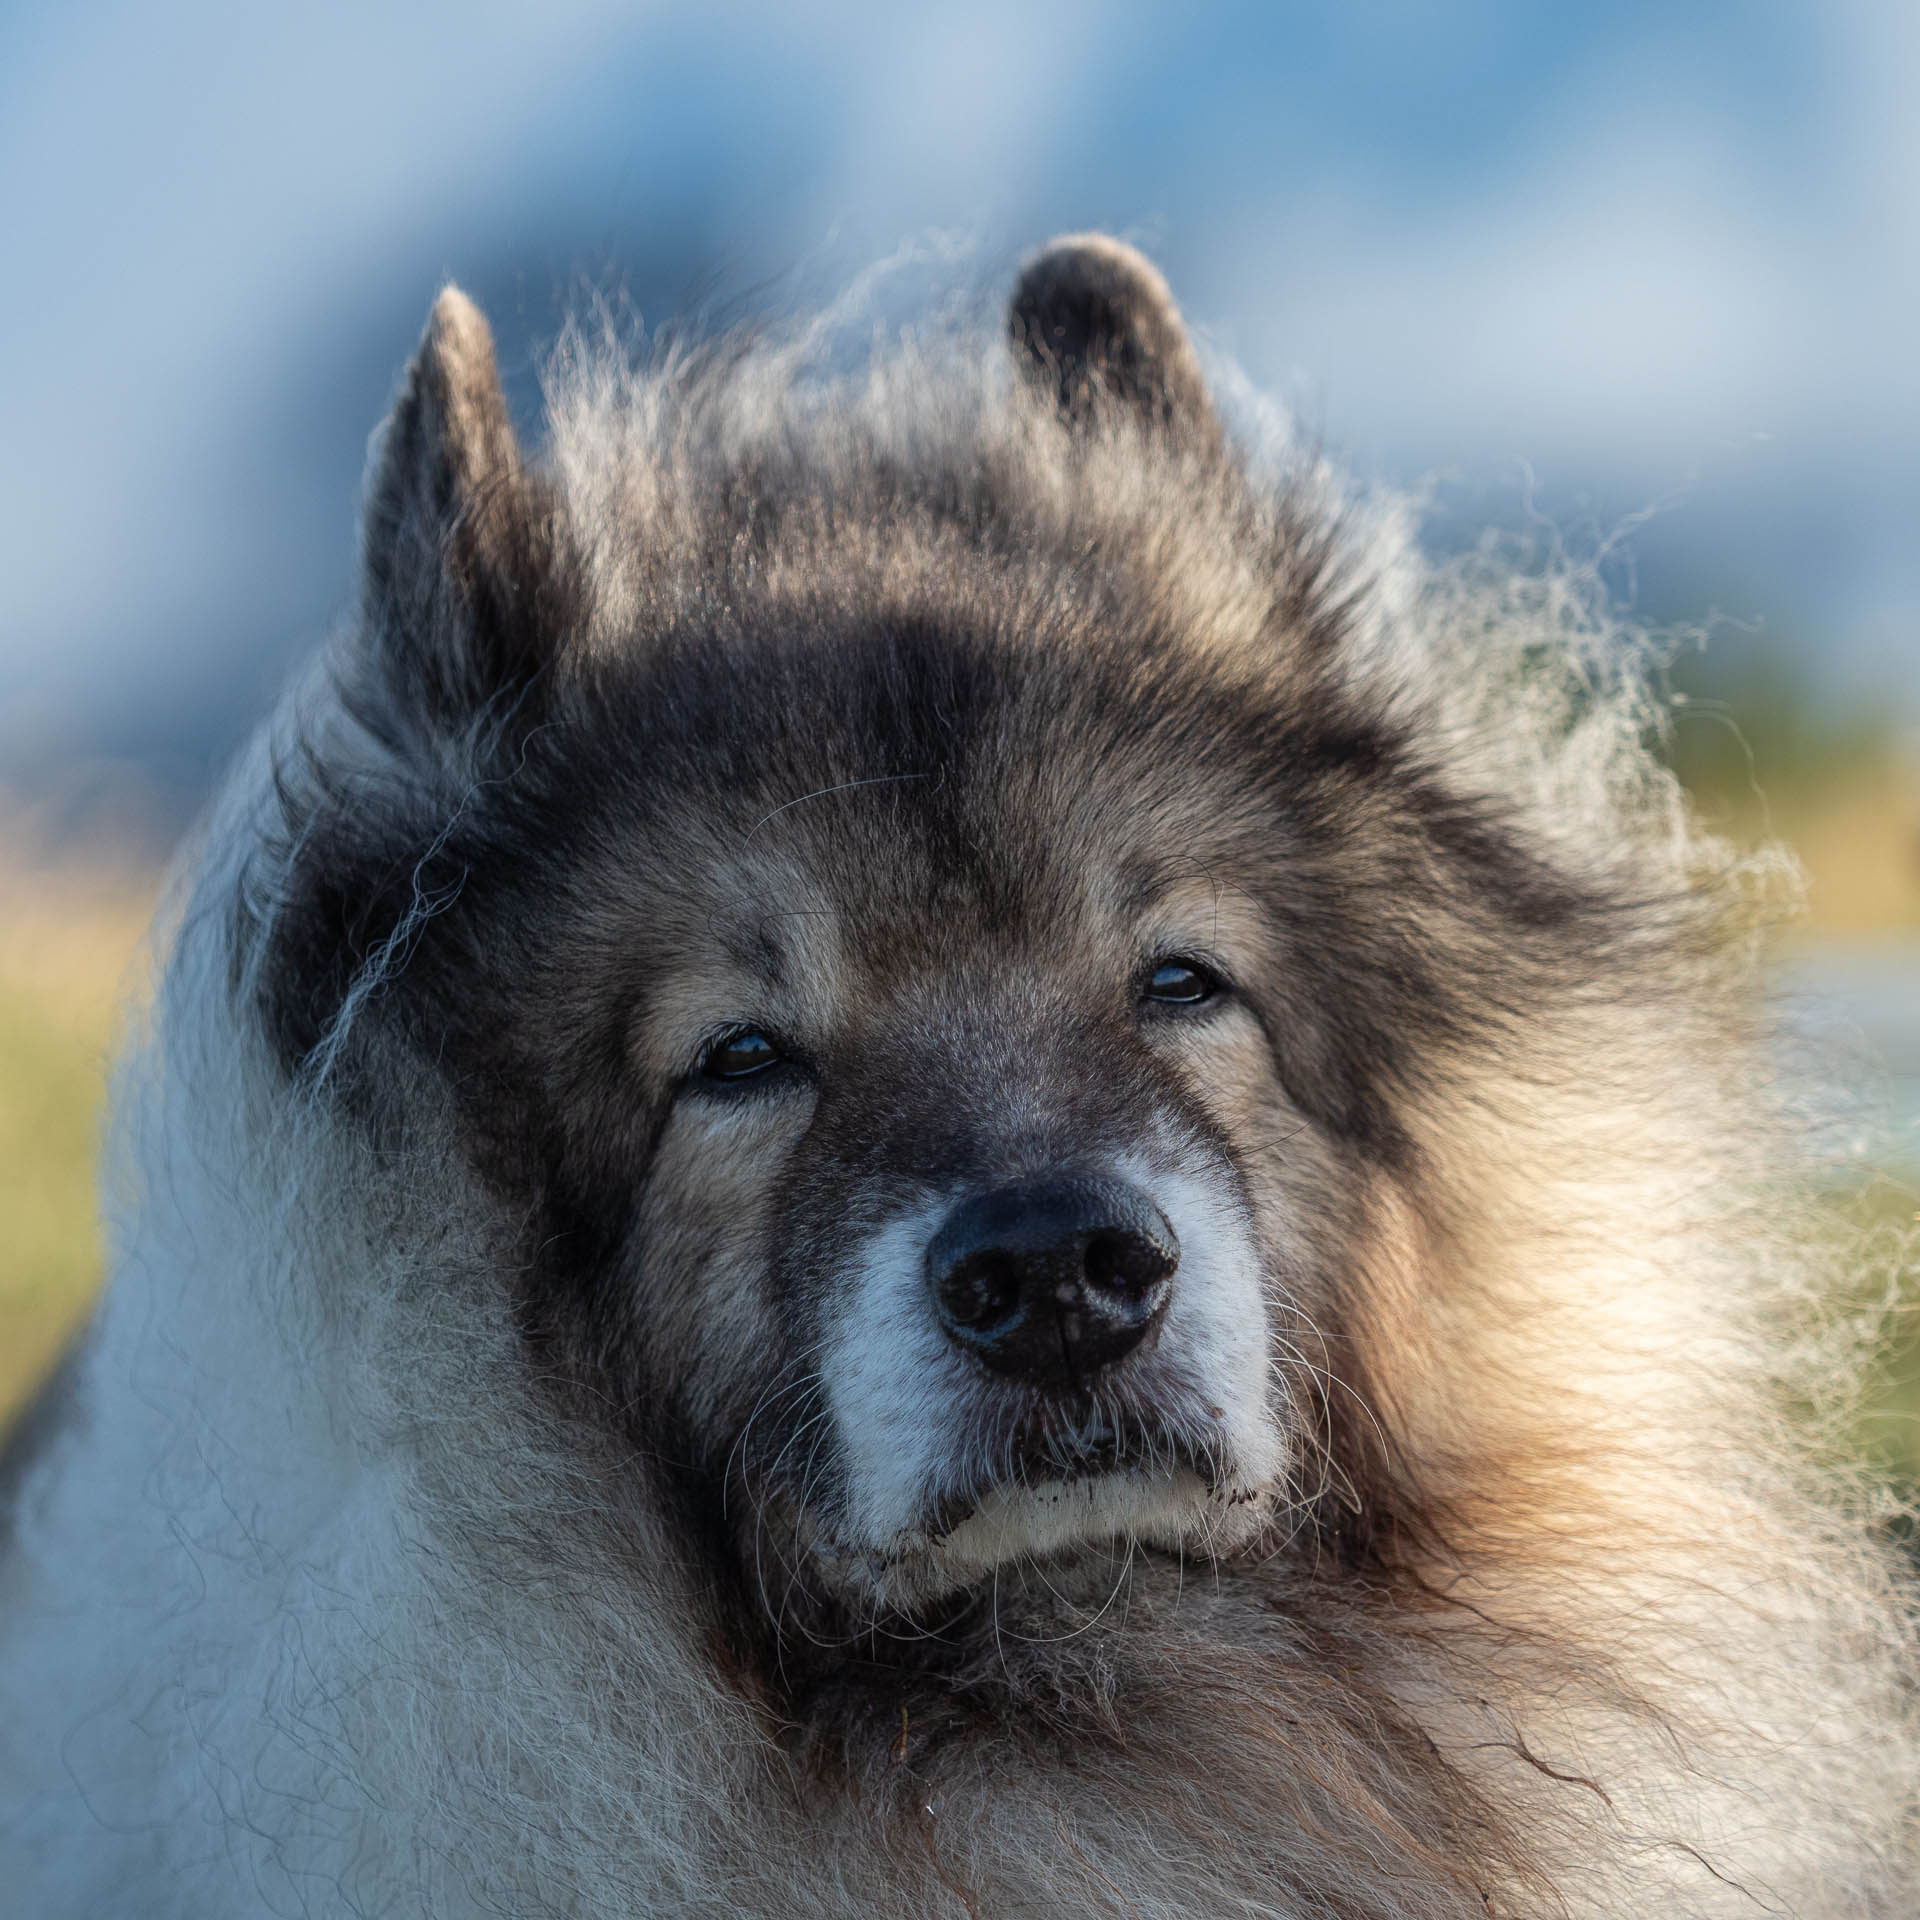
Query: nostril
{"type": "Point", "coordinates": [981, 1293]}
{"type": "Point", "coordinates": [1125, 1264]}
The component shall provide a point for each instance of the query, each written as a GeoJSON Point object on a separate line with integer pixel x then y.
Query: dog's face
{"type": "Point", "coordinates": [940, 1010]}
{"type": "Point", "coordinates": [912, 1065]}
{"type": "Point", "coordinates": [954, 1231]}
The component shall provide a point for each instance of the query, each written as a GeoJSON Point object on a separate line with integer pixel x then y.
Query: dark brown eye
{"type": "Point", "coordinates": [739, 1055]}
{"type": "Point", "coordinates": [1180, 983]}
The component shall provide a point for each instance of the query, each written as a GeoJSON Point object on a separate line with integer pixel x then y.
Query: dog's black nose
{"type": "Point", "coordinates": [1053, 1281]}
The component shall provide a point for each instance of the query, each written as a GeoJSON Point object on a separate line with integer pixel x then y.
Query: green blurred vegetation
{"type": "Point", "coordinates": [48, 1112]}
{"type": "Point", "coordinates": [1757, 736]}
{"type": "Point", "coordinates": [1765, 756]}
{"type": "Point", "coordinates": [67, 941]}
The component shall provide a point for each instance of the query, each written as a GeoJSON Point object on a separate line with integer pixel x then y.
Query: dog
{"type": "Point", "coordinates": [922, 1143]}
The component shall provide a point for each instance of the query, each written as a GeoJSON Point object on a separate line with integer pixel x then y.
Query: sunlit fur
{"type": "Point", "coordinates": [441, 1516]}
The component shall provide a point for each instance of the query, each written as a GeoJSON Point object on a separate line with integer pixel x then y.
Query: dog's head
{"type": "Point", "coordinates": [927, 940]}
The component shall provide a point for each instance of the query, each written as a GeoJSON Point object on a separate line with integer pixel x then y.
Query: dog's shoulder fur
{"type": "Point", "coordinates": [415, 1533]}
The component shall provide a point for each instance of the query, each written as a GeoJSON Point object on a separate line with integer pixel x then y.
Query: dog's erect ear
{"type": "Point", "coordinates": [1094, 326]}
{"type": "Point", "coordinates": [467, 582]}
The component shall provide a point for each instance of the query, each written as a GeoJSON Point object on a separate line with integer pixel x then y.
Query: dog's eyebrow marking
{"type": "Point", "coordinates": [820, 793]}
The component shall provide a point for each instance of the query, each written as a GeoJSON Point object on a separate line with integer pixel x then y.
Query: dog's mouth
{"type": "Point", "coordinates": [1062, 1448]}
{"type": "Point", "coordinates": [1066, 1478]}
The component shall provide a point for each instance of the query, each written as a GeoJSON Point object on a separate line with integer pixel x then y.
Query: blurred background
{"type": "Point", "coordinates": [1642, 272]}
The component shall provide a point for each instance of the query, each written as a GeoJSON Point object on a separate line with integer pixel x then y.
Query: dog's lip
{"type": "Point", "coordinates": [1059, 1445]}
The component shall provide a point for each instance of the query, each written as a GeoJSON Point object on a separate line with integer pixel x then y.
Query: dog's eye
{"type": "Point", "coordinates": [1179, 983]}
{"type": "Point", "coordinates": [739, 1055]}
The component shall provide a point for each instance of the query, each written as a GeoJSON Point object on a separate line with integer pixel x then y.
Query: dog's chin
{"type": "Point", "coordinates": [1054, 1521]}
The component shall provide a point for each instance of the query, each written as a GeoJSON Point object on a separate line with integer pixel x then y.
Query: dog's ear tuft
{"type": "Point", "coordinates": [466, 583]}
{"type": "Point", "coordinates": [1094, 327]}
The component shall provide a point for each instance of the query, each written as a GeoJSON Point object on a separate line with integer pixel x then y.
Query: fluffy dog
{"type": "Point", "coordinates": [923, 1146]}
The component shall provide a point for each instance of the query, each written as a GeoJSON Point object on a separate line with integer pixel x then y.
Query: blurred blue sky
{"type": "Point", "coordinates": [1659, 253]}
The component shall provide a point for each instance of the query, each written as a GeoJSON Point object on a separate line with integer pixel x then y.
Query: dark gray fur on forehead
{"type": "Point", "coordinates": [1005, 614]}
